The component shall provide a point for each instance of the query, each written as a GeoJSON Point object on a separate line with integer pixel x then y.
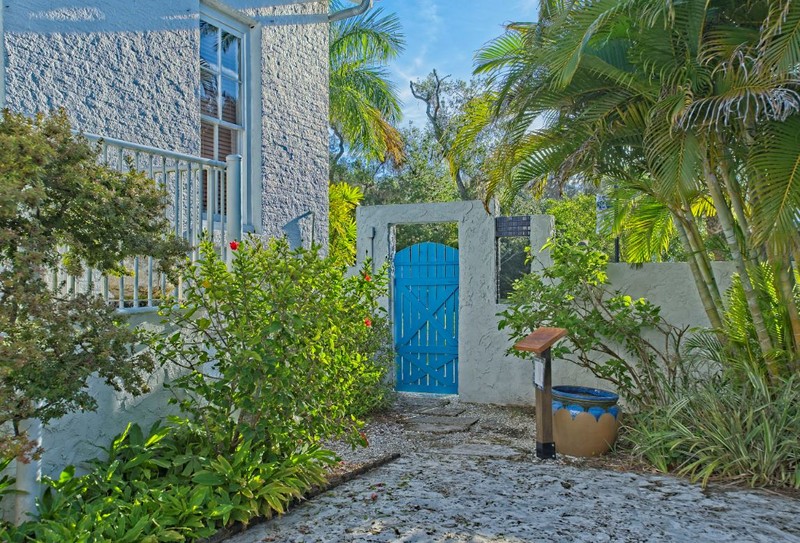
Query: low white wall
{"type": "Point", "coordinates": [670, 286]}
{"type": "Point", "coordinates": [78, 437]}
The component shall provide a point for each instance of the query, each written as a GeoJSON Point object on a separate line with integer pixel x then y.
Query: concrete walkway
{"type": "Point", "coordinates": [476, 493]}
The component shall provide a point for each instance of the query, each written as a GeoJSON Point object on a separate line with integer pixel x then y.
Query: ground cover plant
{"type": "Point", "coordinates": [279, 351]}
{"type": "Point", "coordinates": [739, 424]}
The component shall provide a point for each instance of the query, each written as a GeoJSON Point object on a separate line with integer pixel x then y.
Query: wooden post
{"type": "Point", "coordinates": [539, 342]}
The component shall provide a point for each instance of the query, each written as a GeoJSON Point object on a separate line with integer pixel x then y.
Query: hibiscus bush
{"type": "Point", "coordinates": [282, 348]}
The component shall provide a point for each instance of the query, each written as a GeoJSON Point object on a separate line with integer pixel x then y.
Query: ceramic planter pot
{"type": "Point", "coordinates": [585, 420]}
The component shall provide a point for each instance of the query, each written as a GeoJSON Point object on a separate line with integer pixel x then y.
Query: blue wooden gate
{"type": "Point", "coordinates": [426, 318]}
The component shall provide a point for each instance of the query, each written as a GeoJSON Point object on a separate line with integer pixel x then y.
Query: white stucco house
{"type": "Point", "coordinates": [226, 103]}
{"type": "Point", "coordinates": [204, 78]}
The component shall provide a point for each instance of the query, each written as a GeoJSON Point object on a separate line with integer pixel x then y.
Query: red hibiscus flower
{"type": "Point", "coordinates": [368, 322]}
{"type": "Point", "coordinates": [367, 278]}
{"type": "Point", "coordinates": [234, 245]}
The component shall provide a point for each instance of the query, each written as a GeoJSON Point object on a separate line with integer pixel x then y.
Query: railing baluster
{"type": "Point", "coordinates": [187, 214]}
{"type": "Point", "coordinates": [177, 201]}
{"type": "Point", "coordinates": [136, 281]}
{"type": "Point", "coordinates": [120, 168]}
{"type": "Point", "coordinates": [106, 293]}
{"type": "Point", "coordinates": [150, 258]}
{"type": "Point", "coordinates": [223, 214]}
{"type": "Point", "coordinates": [89, 281]}
{"type": "Point", "coordinates": [164, 184]}
{"type": "Point", "coordinates": [233, 200]}
{"type": "Point", "coordinates": [210, 199]}
{"type": "Point", "coordinates": [189, 193]}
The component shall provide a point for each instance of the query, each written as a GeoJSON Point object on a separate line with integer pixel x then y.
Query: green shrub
{"type": "Point", "coordinates": [608, 330]}
{"type": "Point", "coordinates": [343, 201]}
{"type": "Point", "coordinates": [743, 424]}
{"type": "Point", "coordinates": [281, 349]}
{"type": "Point", "coordinates": [60, 207]}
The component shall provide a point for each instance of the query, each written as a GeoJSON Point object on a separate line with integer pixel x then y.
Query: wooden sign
{"type": "Point", "coordinates": [540, 341]}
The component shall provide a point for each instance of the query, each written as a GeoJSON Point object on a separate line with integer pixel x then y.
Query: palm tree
{"type": "Point", "coordinates": [344, 199]}
{"type": "Point", "coordinates": [685, 104]}
{"type": "Point", "coordinates": [364, 106]}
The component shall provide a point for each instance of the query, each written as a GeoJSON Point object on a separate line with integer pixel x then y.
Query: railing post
{"type": "Point", "coordinates": [233, 201]}
{"type": "Point", "coordinates": [29, 474]}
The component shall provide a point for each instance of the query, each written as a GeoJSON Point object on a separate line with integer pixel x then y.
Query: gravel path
{"type": "Point", "coordinates": [485, 485]}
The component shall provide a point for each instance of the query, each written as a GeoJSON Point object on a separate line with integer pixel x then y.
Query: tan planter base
{"type": "Point", "coordinates": [584, 435]}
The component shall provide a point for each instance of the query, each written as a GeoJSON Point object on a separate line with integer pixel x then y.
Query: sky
{"type": "Point", "coordinates": [444, 34]}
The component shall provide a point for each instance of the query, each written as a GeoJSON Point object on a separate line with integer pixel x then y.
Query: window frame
{"type": "Point", "coordinates": [242, 30]}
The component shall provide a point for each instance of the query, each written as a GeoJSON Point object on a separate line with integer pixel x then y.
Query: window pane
{"type": "Point", "coordinates": [209, 37]}
{"type": "Point", "coordinates": [227, 143]}
{"type": "Point", "coordinates": [206, 140]}
{"type": "Point", "coordinates": [512, 263]}
{"type": "Point", "coordinates": [230, 52]}
{"type": "Point", "coordinates": [230, 100]}
{"type": "Point", "coordinates": [208, 93]}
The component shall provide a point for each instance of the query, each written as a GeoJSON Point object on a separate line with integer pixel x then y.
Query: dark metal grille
{"type": "Point", "coordinates": [506, 227]}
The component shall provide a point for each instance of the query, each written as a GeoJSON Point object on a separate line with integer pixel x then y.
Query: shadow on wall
{"type": "Point", "coordinates": [300, 230]}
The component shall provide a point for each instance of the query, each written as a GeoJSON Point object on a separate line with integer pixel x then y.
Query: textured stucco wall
{"type": "Point", "coordinates": [294, 120]}
{"type": "Point", "coordinates": [486, 373]}
{"type": "Point", "coordinates": [122, 69]}
{"type": "Point", "coordinates": [129, 69]}
{"type": "Point", "coordinates": [668, 285]}
{"type": "Point", "coordinates": [77, 437]}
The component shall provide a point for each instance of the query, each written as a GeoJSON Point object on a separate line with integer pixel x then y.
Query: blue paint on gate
{"type": "Point", "coordinates": [426, 318]}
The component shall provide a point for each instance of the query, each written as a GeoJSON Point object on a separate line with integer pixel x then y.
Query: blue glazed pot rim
{"type": "Point", "coordinates": [584, 393]}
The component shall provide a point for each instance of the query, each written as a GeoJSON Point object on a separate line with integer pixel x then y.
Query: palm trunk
{"type": "Point", "coordinates": [728, 227]}
{"type": "Point", "coordinates": [701, 255]}
{"type": "Point", "coordinates": [703, 288]}
{"type": "Point", "coordinates": [784, 276]}
{"type": "Point", "coordinates": [786, 282]}
{"type": "Point", "coordinates": [787, 292]}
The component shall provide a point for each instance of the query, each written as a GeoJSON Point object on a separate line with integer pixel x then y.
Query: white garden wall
{"type": "Point", "coordinates": [487, 373]}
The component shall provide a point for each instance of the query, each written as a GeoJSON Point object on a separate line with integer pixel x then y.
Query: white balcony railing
{"type": "Point", "coordinates": [204, 196]}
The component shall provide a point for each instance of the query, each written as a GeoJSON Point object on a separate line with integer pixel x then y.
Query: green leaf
{"type": "Point", "coordinates": [208, 478]}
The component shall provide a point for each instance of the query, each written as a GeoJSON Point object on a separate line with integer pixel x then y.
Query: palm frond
{"type": "Point", "coordinates": [775, 167]}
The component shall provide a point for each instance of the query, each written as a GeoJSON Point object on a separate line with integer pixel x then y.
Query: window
{"type": "Point", "coordinates": [513, 238]}
{"type": "Point", "coordinates": [222, 119]}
